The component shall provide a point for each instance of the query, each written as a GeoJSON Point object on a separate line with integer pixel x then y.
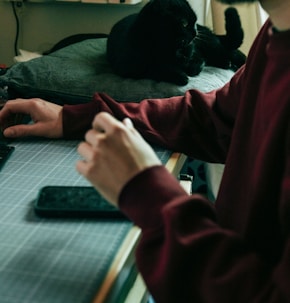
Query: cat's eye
{"type": "Point", "coordinates": [184, 22]}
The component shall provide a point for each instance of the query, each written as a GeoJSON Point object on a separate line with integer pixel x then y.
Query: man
{"type": "Point", "coordinates": [190, 250]}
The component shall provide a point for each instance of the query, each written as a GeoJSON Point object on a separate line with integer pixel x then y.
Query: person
{"type": "Point", "coordinates": [236, 250]}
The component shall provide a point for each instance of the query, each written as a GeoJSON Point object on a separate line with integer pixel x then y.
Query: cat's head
{"type": "Point", "coordinates": [170, 22]}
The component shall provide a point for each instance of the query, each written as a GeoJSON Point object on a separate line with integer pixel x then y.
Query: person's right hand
{"type": "Point", "coordinates": [113, 153]}
{"type": "Point", "coordinates": [46, 118]}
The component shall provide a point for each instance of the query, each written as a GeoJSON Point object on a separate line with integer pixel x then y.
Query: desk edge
{"type": "Point", "coordinates": [127, 249]}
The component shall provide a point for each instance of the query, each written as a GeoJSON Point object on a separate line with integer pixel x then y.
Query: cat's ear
{"type": "Point", "coordinates": [155, 6]}
{"type": "Point", "coordinates": [159, 4]}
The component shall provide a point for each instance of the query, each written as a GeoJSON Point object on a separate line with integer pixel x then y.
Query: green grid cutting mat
{"type": "Point", "coordinates": [50, 260]}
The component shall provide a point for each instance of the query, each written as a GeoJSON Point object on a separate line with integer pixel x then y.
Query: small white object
{"type": "Point", "coordinates": [124, 1]}
{"type": "Point", "coordinates": [26, 56]}
{"type": "Point", "coordinates": [94, 1]}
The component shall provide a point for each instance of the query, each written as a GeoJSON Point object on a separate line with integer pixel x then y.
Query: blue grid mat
{"type": "Point", "coordinates": [50, 260]}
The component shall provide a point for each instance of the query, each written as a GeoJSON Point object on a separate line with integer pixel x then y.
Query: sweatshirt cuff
{"type": "Point", "coordinates": [143, 197]}
{"type": "Point", "coordinates": [77, 119]}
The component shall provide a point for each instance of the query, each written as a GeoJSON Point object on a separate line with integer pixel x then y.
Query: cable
{"type": "Point", "coordinates": [14, 5]}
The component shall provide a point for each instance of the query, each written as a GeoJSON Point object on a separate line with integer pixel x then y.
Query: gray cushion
{"type": "Point", "coordinates": [74, 73]}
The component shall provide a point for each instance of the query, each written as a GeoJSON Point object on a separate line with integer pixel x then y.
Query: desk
{"type": "Point", "coordinates": [56, 260]}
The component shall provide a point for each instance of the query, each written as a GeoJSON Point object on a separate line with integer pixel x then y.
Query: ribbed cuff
{"type": "Point", "coordinates": [143, 197]}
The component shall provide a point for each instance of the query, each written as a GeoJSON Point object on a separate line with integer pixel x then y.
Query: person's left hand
{"type": "Point", "coordinates": [46, 117]}
{"type": "Point", "coordinates": [114, 152]}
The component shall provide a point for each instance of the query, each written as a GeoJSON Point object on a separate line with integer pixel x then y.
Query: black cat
{"type": "Point", "coordinates": [163, 42]}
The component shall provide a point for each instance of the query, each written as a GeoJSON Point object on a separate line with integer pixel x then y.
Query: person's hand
{"type": "Point", "coordinates": [113, 153]}
{"type": "Point", "coordinates": [46, 118]}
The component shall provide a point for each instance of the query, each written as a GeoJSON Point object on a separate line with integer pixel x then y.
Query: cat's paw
{"type": "Point", "coordinates": [172, 76]}
{"type": "Point", "coordinates": [195, 69]}
{"type": "Point", "coordinates": [181, 79]}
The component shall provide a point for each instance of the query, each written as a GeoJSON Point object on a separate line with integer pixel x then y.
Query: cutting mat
{"type": "Point", "coordinates": [51, 260]}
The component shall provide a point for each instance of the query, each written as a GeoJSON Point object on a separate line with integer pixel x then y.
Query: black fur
{"type": "Point", "coordinates": [222, 51]}
{"type": "Point", "coordinates": [164, 43]}
{"type": "Point", "coordinates": [72, 40]}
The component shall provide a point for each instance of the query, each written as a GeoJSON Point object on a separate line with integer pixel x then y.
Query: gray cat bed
{"type": "Point", "coordinates": [74, 73]}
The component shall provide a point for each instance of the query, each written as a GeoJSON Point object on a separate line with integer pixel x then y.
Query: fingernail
{"type": "Point", "coordinates": [128, 122]}
{"type": "Point", "coordinates": [9, 132]}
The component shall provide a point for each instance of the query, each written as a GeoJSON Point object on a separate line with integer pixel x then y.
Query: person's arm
{"type": "Point", "coordinates": [196, 124]}
{"type": "Point", "coordinates": [184, 255]}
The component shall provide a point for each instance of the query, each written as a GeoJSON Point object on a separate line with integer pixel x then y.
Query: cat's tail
{"type": "Point", "coordinates": [234, 32]}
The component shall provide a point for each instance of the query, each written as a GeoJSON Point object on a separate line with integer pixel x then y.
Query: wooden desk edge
{"type": "Point", "coordinates": [173, 165]}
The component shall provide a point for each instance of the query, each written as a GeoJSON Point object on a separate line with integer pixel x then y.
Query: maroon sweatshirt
{"type": "Point", "coordinates": [237, 250]}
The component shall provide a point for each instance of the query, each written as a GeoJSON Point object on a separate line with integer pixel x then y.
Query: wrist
{"type": "Point", "coordinates": [147, 193]}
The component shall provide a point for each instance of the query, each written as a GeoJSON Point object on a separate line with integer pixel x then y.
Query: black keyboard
{"type": "Point", "coordinates": [5, 152]}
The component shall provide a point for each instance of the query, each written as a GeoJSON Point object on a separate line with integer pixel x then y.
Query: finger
{"type": "Point", "coordinates": [86, 167]}
{"type": "Point", "coordinates": [12, 110]}
{"type": "Point", "coordinates": [81, 167]}
{"type": "Point", "coordinates": [128, 123]}
{"type": "Point", "coordinates": [16, 106]}
{"type": "Point", "coordinates": [85, 151]}
{"type": "Point", "coordinates": [93, 137]}
{"type": "Point", "coordinates": [23, 130]}
{"type": "Point", "coordinates": [105, 122]}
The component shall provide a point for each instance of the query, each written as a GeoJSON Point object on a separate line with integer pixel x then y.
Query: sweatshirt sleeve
{"type": "Point", "coordinates": [184, 255]}
{"type": "Point", "coordinates": [196, 124]}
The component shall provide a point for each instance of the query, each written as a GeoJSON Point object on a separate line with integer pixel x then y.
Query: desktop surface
{"type": "Point", "coordinates": [51, 260]}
